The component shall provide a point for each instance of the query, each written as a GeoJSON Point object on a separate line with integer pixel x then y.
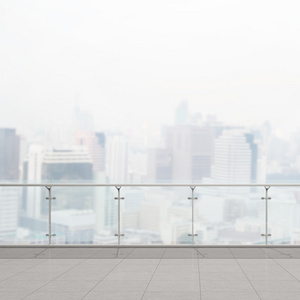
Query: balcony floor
{"type": "Point", "coordinates": [150, 273]}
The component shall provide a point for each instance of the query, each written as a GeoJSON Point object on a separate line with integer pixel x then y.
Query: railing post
{"type": "Point", "coordinates": [49, 198]}
{"type": "Point", "coordinates": [266, 198]}
{"type": "Point", "coordinates": [193, 198]}
{"type": "Point", "coordinates": [119, 198]}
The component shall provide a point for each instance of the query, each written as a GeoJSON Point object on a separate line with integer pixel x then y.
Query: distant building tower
{"type": "Point", "coordinates": [182, 113]}
{"type": "Point", "coordinates": [254, 155]}
{"type": "Point", "coordinates": [9, 154]}
{"type": "Point", "coordinates": [95, 144]}
{"type": "Point", "coordinates": [9, 170]}
{"type": "Point", "coordinates": [32, 173]}
{"type": "Point", "coordinates": [192, 151]}
{"type": "Point", "coordinates": [116, 164]}
{"type": "Point", "coordinates": [232, 158]}
{"type": "Point", "coordinates": [159, 165]}
{"type": "Point", "coordinates": [56, 165]}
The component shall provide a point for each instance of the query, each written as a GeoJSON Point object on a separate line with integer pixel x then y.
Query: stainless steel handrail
{"type": "Point", "coordinates": [118, 186]}
{"type": "Point", "coordinates": [152, 184]}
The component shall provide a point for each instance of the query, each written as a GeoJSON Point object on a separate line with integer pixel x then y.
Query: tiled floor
{"type": "Point", "coordinates": [150, 273]}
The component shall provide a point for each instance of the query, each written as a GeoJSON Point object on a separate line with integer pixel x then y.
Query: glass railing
{"type": "Point", "coordinates": [149, 214]}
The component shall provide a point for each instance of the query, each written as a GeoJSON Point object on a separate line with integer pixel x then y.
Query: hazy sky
{"type": "Point", "coordinates": [134, 61]}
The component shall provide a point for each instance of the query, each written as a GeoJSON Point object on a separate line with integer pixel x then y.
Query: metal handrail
{"type": "Point", "coordinates": [192, 186]}
{"type": "Point", "coordinates": [152, 184]}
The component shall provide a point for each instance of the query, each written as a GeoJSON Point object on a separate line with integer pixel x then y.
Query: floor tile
{"type": "Point", "coordinates": [219, 268]}
{"type": "Point", "coordinates": [122, 285]}
{"type": "Point", "coordinates": [174, 286]}
{"type": "Point", "coordinates": [276, 285]}
{"type": "Point", "coordinates": [115, 295]}
{"type": "Point", "coordinates": [13, 295]}
{"type": "Point", "coordinates": [69, 286]}
{"type": "Point", "coordinates": [175, 262]}
{"type": "Point", "coordinates": [279, 295]}
{"type": "Point", "coordinates": [144, 261]}
{"type": "Point", "coordinates": [116, 275]}
{"type": "Point", "coordinates": [226, 286]}
{"type": "Point", "coordinates": [175, 276]}
{"type": "Point", "coordinates": [38, 295]}
{"type": "Point", "coordinates": [269, 275]}
{"type": "Point", "coordinates": [135, 268]}
{"type": "Point", "coordinates": [94, 276]}
{"type": "Point", "coordinates": [229, 296]}
{"type": "Point", "coordinates": [172, 295]}
{"type": "Point", "coordinates": [61, 261]}
{"type": "Point", "coordinates": [223, 276]}
{"type": "Point", "coordinates": [21, 285]}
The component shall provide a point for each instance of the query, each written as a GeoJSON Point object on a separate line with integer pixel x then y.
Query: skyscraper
{"type": "Point", "coordinates": [9, 154]}
{"type": "Point", "coordinates": [56, 165]}
{"type": "Point", "coordinates": [95, 144]}
{"type": "Point", "coordinates": [232, 158]}
{"type": "Point", "coordinates": [116, 164]}
{"type": "Point", "coordinates": [192, 151]}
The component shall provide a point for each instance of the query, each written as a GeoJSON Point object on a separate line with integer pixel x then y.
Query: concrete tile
{"type": "Point", "coordinates": [223, 276]}
{"type": "Point", "coordinates": [122, 285]}
{"type": "Point", "coordinates": [219, 268]}
{"type": "Point", "coordinates": [114, 295]}
{"type": "Point", "coordinates": [55, 295]}
{"type": "Point", "coordinates": [263, 268]}
{"type": "Point", "coordinates": [137, 261]}
{"type": "Point", "coordinates": [177, 268]}
{"type": "Point", "coordinates": [69, 286]}
{"type": "Point", "coordinates": [101, 262]}
{"type": "Point", "coordinates": [279, 295]}
{"type": "Point", "coordinates": [180, 262]}
{"type": "Point", "coordinates": [115, 275]}
{"type": "Point", "coordinates": [22, 262]}
{"type": "Point", "coordinates": [269, 275]}
{"type": "Point", "coordinates": [217, 262]}
{"type": "Point", "coordinates": [21, 285]}
{"type": "Point", "coordinates": [174, 286]}
{"type": "Point", "coordinates": [229, 296]}
{"type": "Point", "coordinates": [49, 268]}
{"type": "Point", "coordinates": [258, 262]}
{"type": "Point", "coordinates": [91, 268]}
{"type": "Point", "coordinates": [94, 276]}
{"type": "Point", "coordinates": [226, 286]}
{"type": "Point", "coordinates": [288, 262]}
{"type": "Point", "coordinates": [135, 268]}
{"type": "Point", "coordinates": [62, 261]}
{"type": "Point", "coordinates": [292, 268]}
{"type": "Point", "coordinates": [25, 276]}
{"type": "Point", "coordinates": [172, 295]}
{"type": "Point", "coordinates": [276, 285]}
{"type": "Point", "coordinates": [175, 276]}
{"type": "Point", "coordinates": [13, 295]}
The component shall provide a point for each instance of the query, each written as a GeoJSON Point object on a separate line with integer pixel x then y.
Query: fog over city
{"type": "Point", "coordinates": [131, 63]}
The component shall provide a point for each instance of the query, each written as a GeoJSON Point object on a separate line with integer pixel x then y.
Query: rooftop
{"type": "Point", "coordinates": [150, 273]}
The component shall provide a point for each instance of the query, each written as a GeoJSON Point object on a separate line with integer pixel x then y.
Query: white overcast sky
{"type": "Point", "coordinates": [129, 62]}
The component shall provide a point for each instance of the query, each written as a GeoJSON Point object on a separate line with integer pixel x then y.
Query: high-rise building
{"type": "Point", "coordinates": [192, 151]}
{"type": "Point", "coordinates": [32, 173]}
{"type": "Point", "coordinates": [57, 165]}
{"type": "Point", "coordinates": [9, 204]}
{"type": "Point", "coordinates": [232, 158]}
{"type": "Point", "coordinates": [9, 154]}
{"type": "Point", "coordinates": [254, 155]}
{"type": "Point", "coordinates": [159, 165]}
{"type": "Point", "coordinates": [116, 163]}
{"type": "Point", "coordinates": [95, 144]}
{"type": "Point", "coordinates": [182, 113]}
